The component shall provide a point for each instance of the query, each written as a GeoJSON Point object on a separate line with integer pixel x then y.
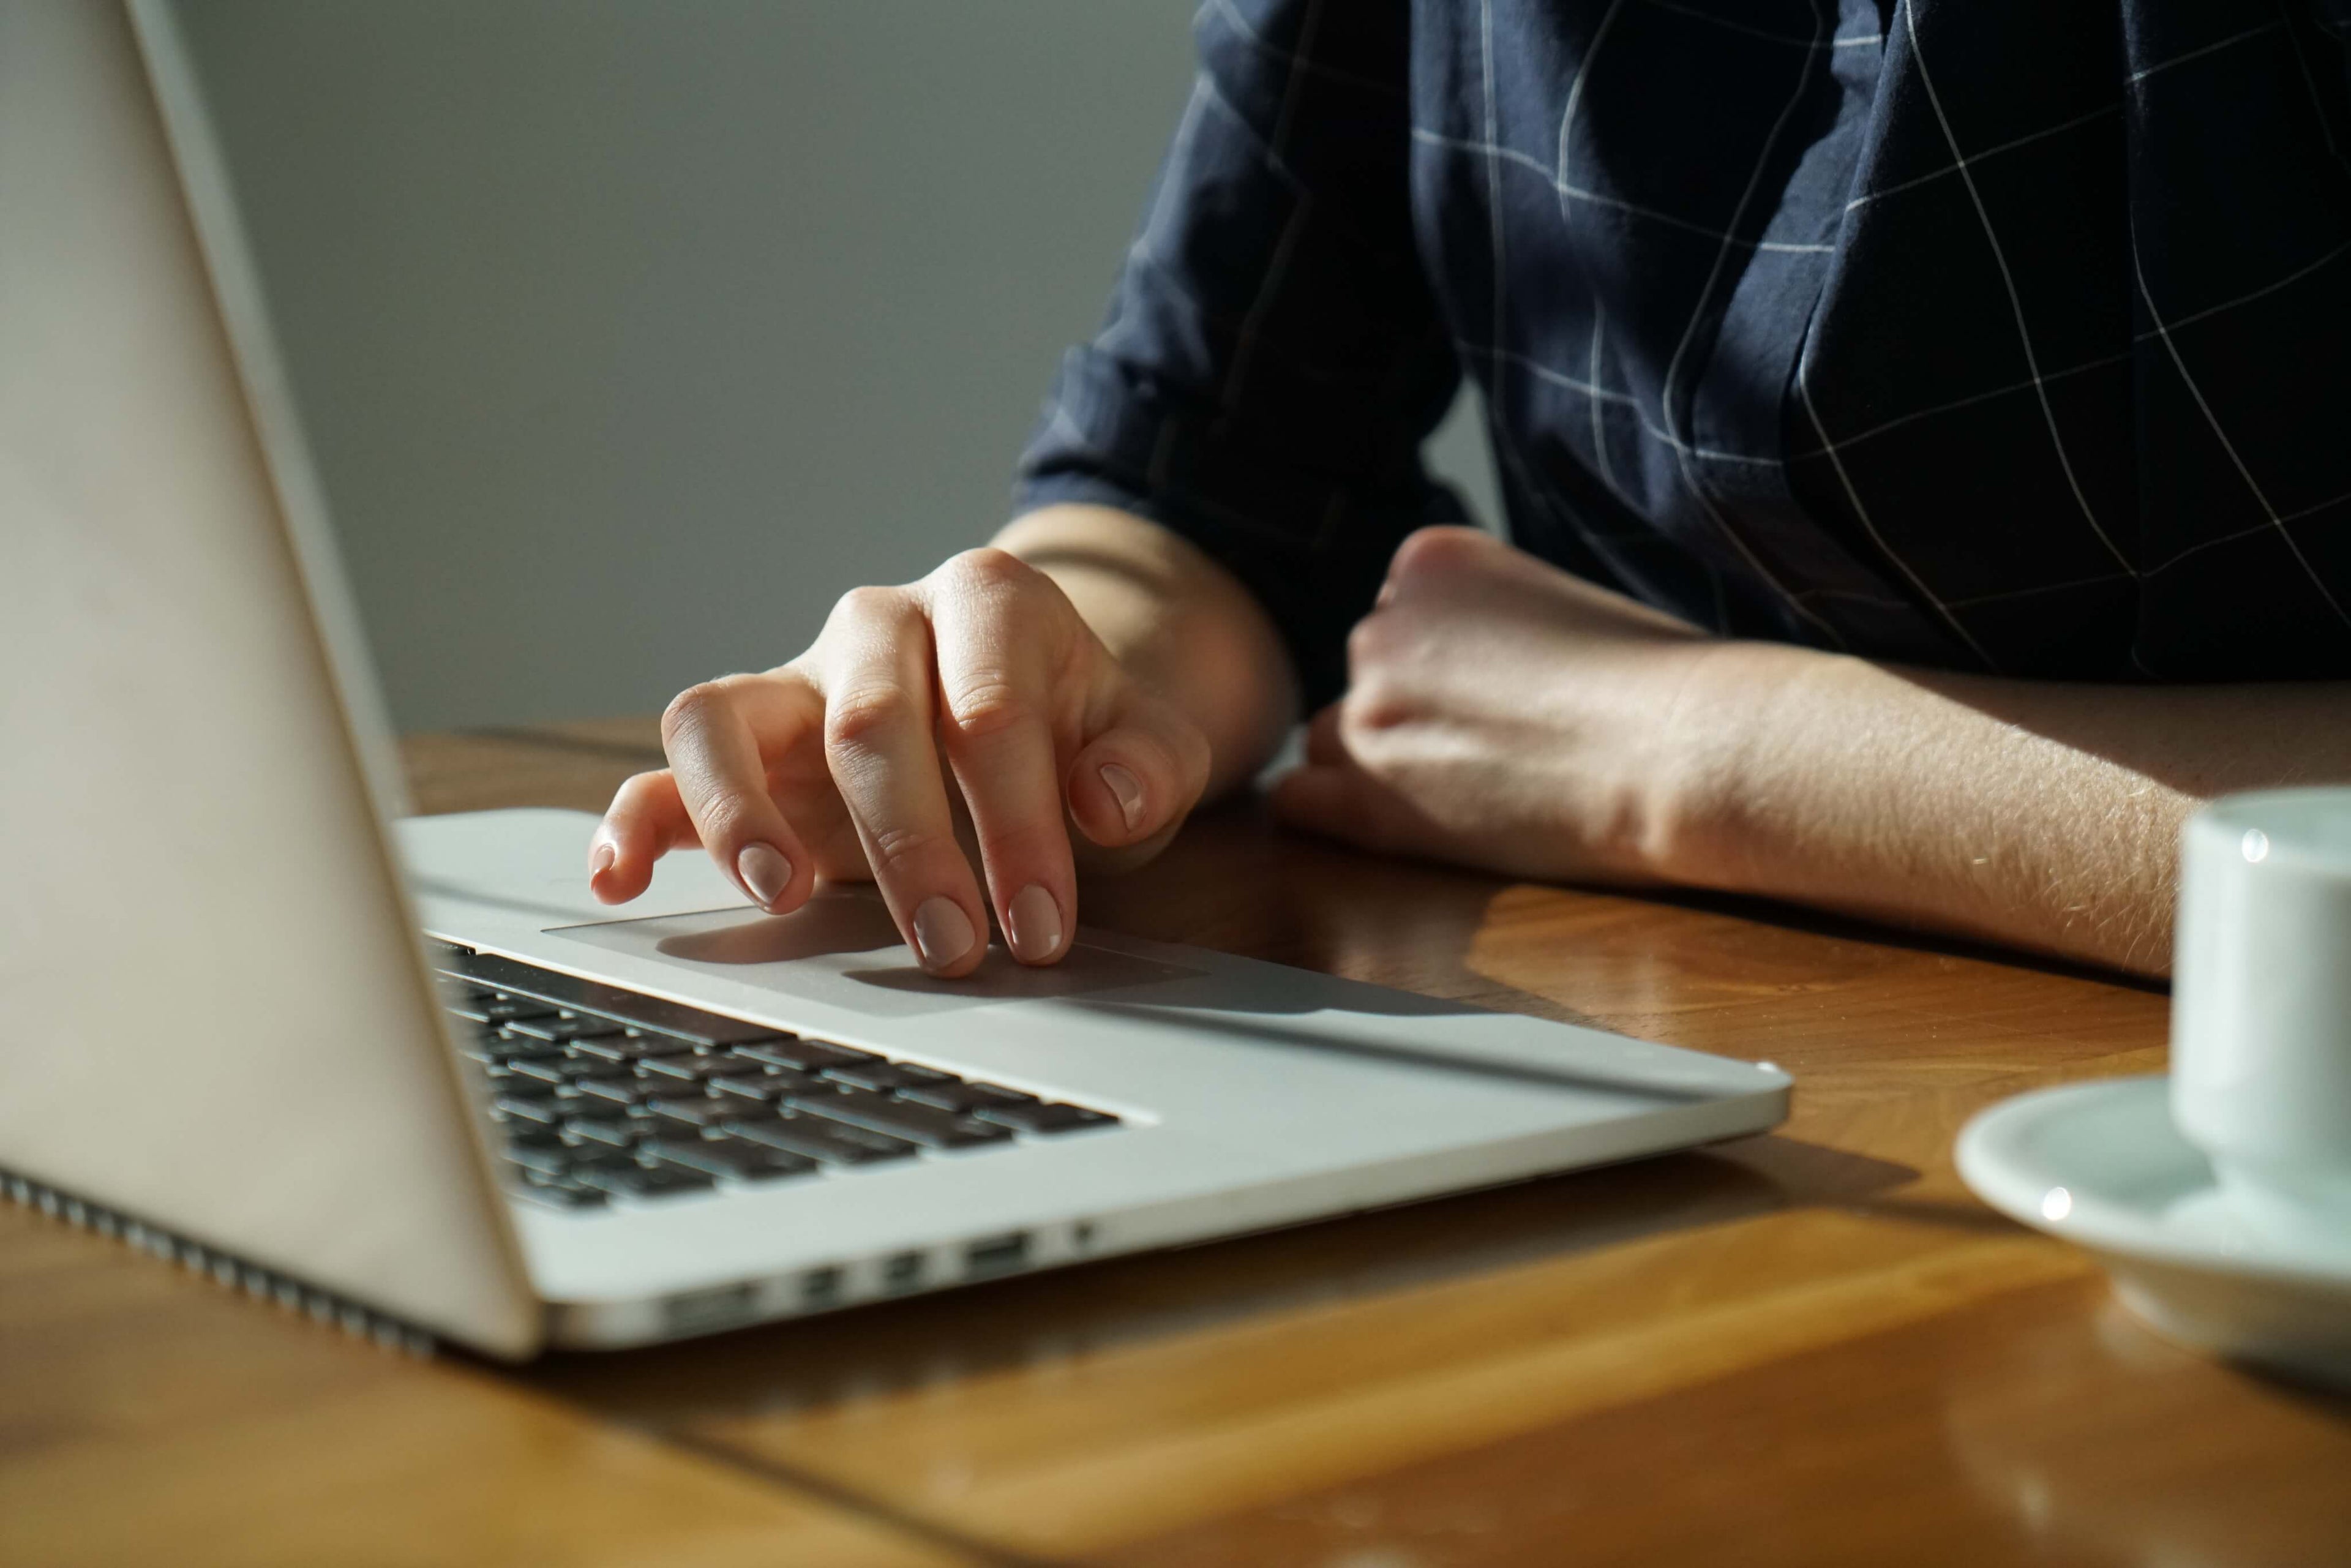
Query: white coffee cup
{"type": "Point", "coordinates": [2260, 1008]}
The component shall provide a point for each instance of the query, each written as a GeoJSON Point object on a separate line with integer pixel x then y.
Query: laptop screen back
{"type": "Point", "coordinates": [211, 1013]}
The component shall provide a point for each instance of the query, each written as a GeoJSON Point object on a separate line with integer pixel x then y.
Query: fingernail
{"type": "Point", "coordinates": [942, 932]}
{"type": "Point", "coordinates": [1032, 922]}
{"type": "Point", "coordinates": [1122, 783]}
{"type": "Point", "coordinates": [765, 871]}
{"type": "Point", "coordinates": [600, 860]}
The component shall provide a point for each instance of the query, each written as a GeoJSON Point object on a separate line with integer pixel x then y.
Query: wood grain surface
{"type": "Point", "coordinates": [1811, 1347]}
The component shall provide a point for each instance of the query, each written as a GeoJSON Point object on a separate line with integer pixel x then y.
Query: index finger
{"type": "Point", "coordinates": [720, 736]}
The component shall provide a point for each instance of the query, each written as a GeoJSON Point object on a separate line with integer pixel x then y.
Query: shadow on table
{"type": "Point", "coordinates": [1049, 1318]}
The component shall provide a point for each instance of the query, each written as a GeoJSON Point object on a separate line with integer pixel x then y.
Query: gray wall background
{"type": "Point", "coordinates": [628, 335]}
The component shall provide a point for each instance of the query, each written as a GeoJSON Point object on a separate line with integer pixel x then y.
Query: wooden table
{"type": "Point", "coordinates": [1808, 1348]}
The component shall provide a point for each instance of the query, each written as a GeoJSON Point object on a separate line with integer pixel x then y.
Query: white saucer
{"type": "Point", "coordinates": [2100, 1164]}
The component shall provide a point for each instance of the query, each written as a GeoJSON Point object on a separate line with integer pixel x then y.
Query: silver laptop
{"type": "Point", "coordinates": [408, 1072]}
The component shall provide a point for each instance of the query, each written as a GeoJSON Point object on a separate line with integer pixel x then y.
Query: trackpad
{"type": "Point", "coordinates": [841, 948]}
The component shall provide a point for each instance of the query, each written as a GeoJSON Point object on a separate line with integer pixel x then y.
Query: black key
{"type": "Point", "coordinates": [487, 971]}
{"type": "Point", "coordinates": [633, 1180]}
{"type": "Point", "coordinates": [619, 1091]}
{"type": "Point", "coordinates": [626, 1049]}
{"type": "Point", "coordinates": [737, 1157]}
{"type": "Point", "coordinates": [560, 1071]}
{"type": "Point", "coordinates": [1047, 1118]}
{"type": "Point", "coordinates": [691, 1109]}
{"type": "Point", "coordinates": [561, 1195]}
{"type": "Point", "coordinates": [509, 1048]}
{"type": "Point", "coordinates": [958, 1095]}
{"type": "Point", "coordinates": [491, 1009]}
{"type": "Point", "coordinates": [564, 1027]}
{"type": "Point", "coordinates": [708, 1031]}
{"type": "Point", "coordinates": [685, 1068]}
{"type": "Point", "coordinates": [765, 1087]}
{"type": "Point", "coordinates": [542, 1108]}
{"type": "Point", "coordinates": [925, 1124]}
{"type": "Point", "coordinates": [884, 1076]}
{"type": "Point", "coordinates": [548, 1160]}
{"type": "Point", "coordinates": [801, 1055]}
{"type": "Point", "coordinates": [614, 1128]}
{"type": "Point", "coordinates": [575, 995]}
{"type": "Point", "coordinates": [831, 1141]}
{"type": "Point", "coordinates": [566, 1164]}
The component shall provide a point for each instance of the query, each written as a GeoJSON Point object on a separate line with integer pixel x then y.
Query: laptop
{"type": "Point", "coordinates": [406, 1073]}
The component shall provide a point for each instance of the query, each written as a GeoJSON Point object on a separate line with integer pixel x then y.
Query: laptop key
{"type": "Point", "coordinates": [618, 1091]}
{"type": "Point", "coordinates": [633, 1180]}
{"type": "Point", "coordinates": [491, 1009]}
{"type": "Point", "coordinates": [614, 1128]}
{"type": "Point", "coordinates": [767, 1088]}
{"type": "Point", "coordinates": [542, 1108]}
{"type": "Point", "coordinates": [1053, 1117]}
{"type": "Point", "coordinates": [956, 1094]}
{"type": "Point", "coordinates": [830, 1142]}
{"type": "Point", "coordinates": [560, 1195]}
{"type": "Point", "coordinates": [738, 1158]}
{"type": "Point", "coordinates": [685, 1068]}
{"type": "Point", "coordinates": [548, 1160]}
{"type": "Point", "coordinates": [884, 1076]}
{"type": "Point", "coordinates": [567, 1164]}
{"type": "Point", "coordinates": [564, 1027]}
{"type": "Point", "coordinates": [924, 1125]}
{"type": "Point", "coordinates": [507, 1047]}
{"type": "Point", "coordinates": [692, 1111]}
{"type": "Point", "coordinates": [707, 1032]}
{"type": "Point", "coordinates": [795, 1055]}
{"type": "Point", "coordinates": [558, 1071]}
{"type": "Point", "coordinates": [627, 1048]}
{"type": "Point", "coordinates": [575, 995]}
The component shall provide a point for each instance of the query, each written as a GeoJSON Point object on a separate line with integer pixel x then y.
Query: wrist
{"type": "Point", "coordinates": [1702, 826]}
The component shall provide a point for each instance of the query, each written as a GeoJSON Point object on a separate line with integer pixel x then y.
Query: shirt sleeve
{"type": "Point", "coordinates": [1273, 357]}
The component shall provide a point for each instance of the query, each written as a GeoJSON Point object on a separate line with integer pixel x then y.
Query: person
{"type": "Point", "coordinates": [1920, 431]}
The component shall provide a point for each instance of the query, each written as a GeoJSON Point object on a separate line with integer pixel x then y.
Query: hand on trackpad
{"type": "Point", "coordinates": [841, 948]}
{"type": "Point", "coordinates": [823, 927]}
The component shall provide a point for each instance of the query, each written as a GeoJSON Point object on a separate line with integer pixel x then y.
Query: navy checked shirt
{"type": "Point", "coordinates": [2008, 335]}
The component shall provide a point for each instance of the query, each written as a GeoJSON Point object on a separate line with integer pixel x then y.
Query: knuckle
{"type": "Point", "coordinates": [985, 570]}
{"type": "Point", "coordinates": [645, 786]}
{"type": "Point", "coordinates": [1369, 639]}
{"type": "Point", "coordinates": [988, 704]}
{"type": "Point", "coordinates": [691, 709]}
{"type": "Point", "coordinates": [1436, 550]}
{"type": "Point", "coordinates": [1371, 706]}
{"type": "Point", "coordinates": [860, 717]}
{"type": "Point", "coordinates": [895, 850]}
{"type": "Point", "coordinates": [865, 606]}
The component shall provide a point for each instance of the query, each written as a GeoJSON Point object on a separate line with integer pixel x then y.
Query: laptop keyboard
{"type": "Point", "coordinates": [599, 1092]}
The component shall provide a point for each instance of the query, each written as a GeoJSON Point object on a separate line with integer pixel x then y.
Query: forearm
{"type": "Point", "coordinates": [1181, 623]}
{"type": "Point", "coordinates": [2040, 815]}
